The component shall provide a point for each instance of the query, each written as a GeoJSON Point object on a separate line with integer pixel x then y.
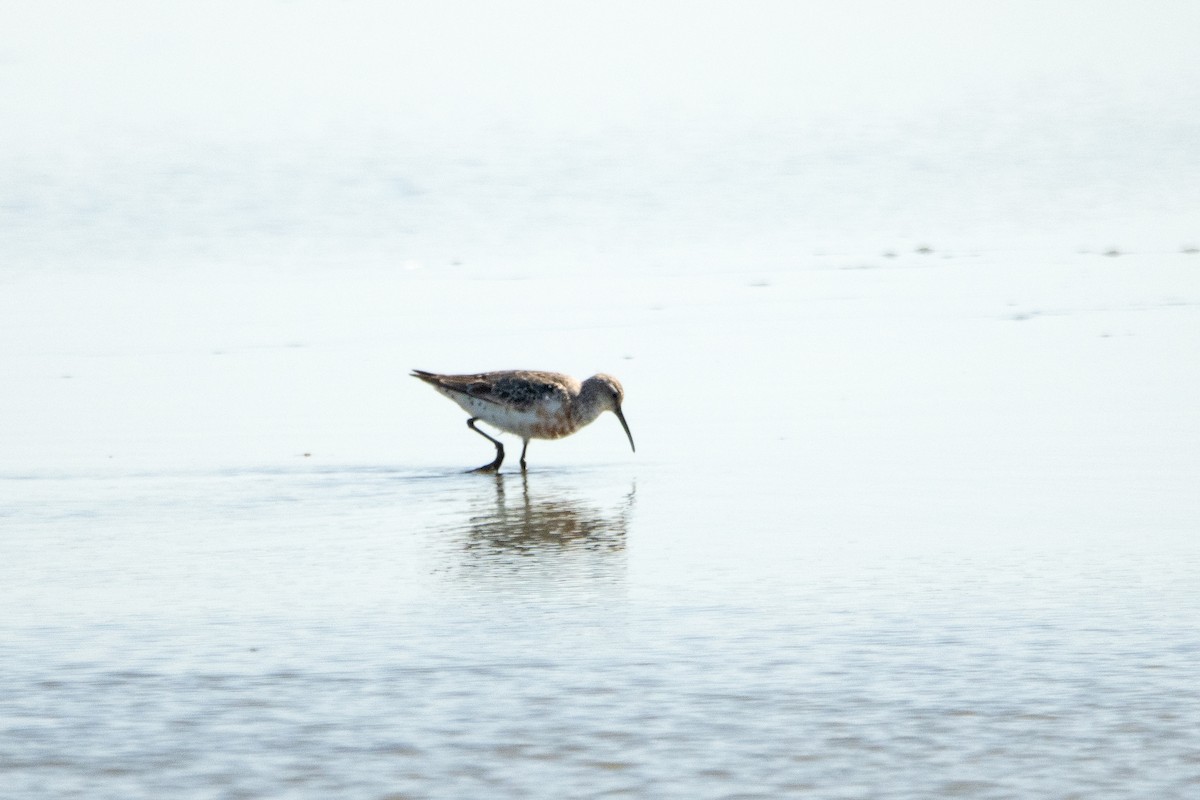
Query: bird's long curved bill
{"type": "Point", "coordinates": [625, 425]}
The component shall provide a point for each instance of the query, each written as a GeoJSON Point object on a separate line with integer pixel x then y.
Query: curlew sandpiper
{"type": "Point", "coordinates": [529, 404]}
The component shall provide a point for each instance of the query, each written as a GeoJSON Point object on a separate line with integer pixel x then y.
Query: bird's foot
{"type": "Point", "coordinates": [495, 465]}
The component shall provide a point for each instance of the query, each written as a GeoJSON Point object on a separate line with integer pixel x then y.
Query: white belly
{"type": "Point", "coordinates": [544, 421]}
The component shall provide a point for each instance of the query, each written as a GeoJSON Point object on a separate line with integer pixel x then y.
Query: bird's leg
{"type": "Point", "coordinates": [495, 465]}
{"type": "Point", "coordinates": [524, 447]}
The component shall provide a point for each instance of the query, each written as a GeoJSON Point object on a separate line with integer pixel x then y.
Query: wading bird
{"type": "Point", "coordinates": [532, 405]}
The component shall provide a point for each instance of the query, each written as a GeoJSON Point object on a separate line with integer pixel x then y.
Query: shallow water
{"type": "Point", "coordinates": [953, 559]}
{"type": "Point", "coordinates": [956, 559]}
{"type": "Point", "coordinates": [636, 629]}
{"type": "Point", "coordinates": [907, 322]}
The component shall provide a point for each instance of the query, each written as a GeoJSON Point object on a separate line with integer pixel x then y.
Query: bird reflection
{"type": "Point", "coordinates": [532, 523]}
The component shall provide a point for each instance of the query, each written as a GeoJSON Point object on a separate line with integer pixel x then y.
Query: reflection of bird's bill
{"type": "Point", "coordinates": [625, 425]}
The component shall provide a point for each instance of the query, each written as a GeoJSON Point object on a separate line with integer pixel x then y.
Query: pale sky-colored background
{"type": "Point", "coordinates": [904, 297]}
{"type": "Point", "coordinates": [299, 68]}
{"type": "Point", "coordinates": [664, 136]}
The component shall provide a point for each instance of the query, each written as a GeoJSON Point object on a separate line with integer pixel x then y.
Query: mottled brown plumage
{"type": "Point", "coordinates": [530, 404]}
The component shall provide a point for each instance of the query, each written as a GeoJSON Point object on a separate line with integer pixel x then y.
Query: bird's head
{"type": "Point", "coordinates": [608, 395]}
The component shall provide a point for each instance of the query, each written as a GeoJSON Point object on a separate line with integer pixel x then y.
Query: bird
{"type": "Point", "coordinates": [530, 404]}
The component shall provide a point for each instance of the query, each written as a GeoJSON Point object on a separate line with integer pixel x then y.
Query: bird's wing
{"type": "Point", "coordinates": [519, 390]}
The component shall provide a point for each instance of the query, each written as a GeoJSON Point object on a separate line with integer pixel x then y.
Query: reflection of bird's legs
{"type": "Point", "coordinates": [501, 507]}
{"type": "Point", "coordinates": [524, 447]}
{"type": "Point", "coordinates": [527, 506]}
{"type": "Point", "coordinates": [495, 465]}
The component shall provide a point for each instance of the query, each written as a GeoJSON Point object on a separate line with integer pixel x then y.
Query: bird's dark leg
{"type": "Point", "coordinates": [524, 447]}
{"type": "Point", "coordinates": [495, 465]}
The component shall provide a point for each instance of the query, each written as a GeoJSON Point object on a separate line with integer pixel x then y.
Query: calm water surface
{"type": "Point", "coordinates": [626, 630]}
{"type": "Point", "coordinates": [912, 373]}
